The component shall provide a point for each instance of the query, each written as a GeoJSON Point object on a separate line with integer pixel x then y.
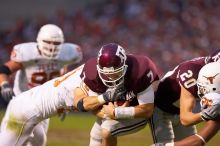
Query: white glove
{"type": "Point", "coordinates": [210, 112]}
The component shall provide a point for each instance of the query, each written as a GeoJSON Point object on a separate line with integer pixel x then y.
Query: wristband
{"type": "Point", "coordinates": [169, 144]}
{"type": "Point", "coordinates": [200, 137]}
{"type": "Point", "coordinates": [101, 99]}
{"type": "Point", "coordinates": [80, 106]}
{"type": "Point", "coordinates": [4, 69]}
{"type": "Point", "coordinates": [124, 112]}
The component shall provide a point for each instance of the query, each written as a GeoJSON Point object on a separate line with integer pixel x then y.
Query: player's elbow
{"type": "Point", "coordinates": [184, 121]}
{"type": "Point", "coordinates": [149, 113]}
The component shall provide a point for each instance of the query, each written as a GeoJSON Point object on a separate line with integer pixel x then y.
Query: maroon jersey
{"type": "Point", "coordinates": [169, 88]}
{"type": "Point", "coordinates": [141, 72]}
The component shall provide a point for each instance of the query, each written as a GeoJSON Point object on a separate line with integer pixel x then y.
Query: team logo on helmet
{"type": "Point", "coordinates": [210, 79]}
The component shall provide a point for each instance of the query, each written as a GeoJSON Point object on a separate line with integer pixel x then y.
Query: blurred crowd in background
{"type": "Point", "coordinates": [168, 31]}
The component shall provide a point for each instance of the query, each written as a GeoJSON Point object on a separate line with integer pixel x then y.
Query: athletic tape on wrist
{"type": "Point", "coordinates": [101, 99]}
{"type": "Point", "coordinates": [80, 106]}
{"type": "Point", "coordinates": [124, 112]}
{"type": "Point", "coordinates": [5, 70]}
{"type": "Point", "coordinates": [169, 144]}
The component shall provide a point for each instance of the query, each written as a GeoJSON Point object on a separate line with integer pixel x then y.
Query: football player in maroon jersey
{"type": "Point", "coordinates": [175, 115]}
{"type": "Point", "coordinates": [208, 83]}
{"type": "Point", "coordinates": [128, 82]}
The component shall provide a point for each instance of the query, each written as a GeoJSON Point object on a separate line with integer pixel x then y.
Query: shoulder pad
{"type": "Point", "coordinates": [25, 52]}
{"type": "Point", "coordinates": [70, 53]}
{"type": "Point", "coordinates": [141, 73]}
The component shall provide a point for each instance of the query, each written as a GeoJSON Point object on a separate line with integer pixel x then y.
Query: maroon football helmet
{"type": "Point", "coordinates": [111, 64]}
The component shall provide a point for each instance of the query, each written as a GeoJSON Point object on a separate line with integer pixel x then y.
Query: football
{"type": "Point", "coordinates": [120, 103]}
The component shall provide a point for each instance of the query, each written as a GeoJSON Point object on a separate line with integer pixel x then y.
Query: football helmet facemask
{"type": "Point", "coordinates": [111, 64]}
{"type": "Point", "coordinates": [209, 79]}
{"type": "Point", "coordinates": [50, 39]}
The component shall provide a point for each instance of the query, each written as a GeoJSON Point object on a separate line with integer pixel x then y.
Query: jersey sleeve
{"type": "Point", "coordinates": [17, 53]}
{"type": "Point", "coordinates": [147, 96]}
{"type": "Point", "coordinates": [24, 52]}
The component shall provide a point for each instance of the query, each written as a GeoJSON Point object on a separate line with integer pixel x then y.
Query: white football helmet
{"type": "Point", "coordinates": [50, 39]}
{"type": "Point", "coordinates": [209, 79]}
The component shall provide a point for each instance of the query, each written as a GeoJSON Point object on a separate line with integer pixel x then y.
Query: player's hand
{"type": "Point", "coordinates": [6, 91]}
{"type": "Point", "coordinates": [114, 94]}
{"type": "Point", "coordinates": [108, 110]}
{"type": "Point", "coordinates": [210, 112]}
{"type": "Point", "coordinates": [62, 116]}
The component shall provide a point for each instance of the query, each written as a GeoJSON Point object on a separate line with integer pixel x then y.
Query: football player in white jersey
{"type": "Point", "coordinates": [36, 63]}
{"type": "Point", "coordinates": [31, 107]}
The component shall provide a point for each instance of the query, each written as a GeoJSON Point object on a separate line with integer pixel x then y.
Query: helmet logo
{"type": "Point", "coordinates": [120, 53]}
{"type": "Point", "coordinates": [211, 78]}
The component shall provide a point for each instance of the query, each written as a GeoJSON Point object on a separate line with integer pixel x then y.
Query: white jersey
{"type": "Point", "coordinates": [38, 69]}
{"type": "Point", "coordinates": [51, 97]}
{"type": "Point", "coordinates": [30, 109]}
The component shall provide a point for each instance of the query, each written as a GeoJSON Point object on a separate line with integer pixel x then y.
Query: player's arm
{"type": "Point", "coordinates": [146, 103]}
{"type": "Point", "coordinates": [210, 128]}
{"type": "Point", "coordinates": [99, 112]}
{"type": "Point", "coordinates": [143, 110]}
{"type": "Point", "coordinates": [187, 103]}
{"type": "Point", "coordinates": [7, 69]}
{"type": "Point", "coordinates": [85, 102]}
